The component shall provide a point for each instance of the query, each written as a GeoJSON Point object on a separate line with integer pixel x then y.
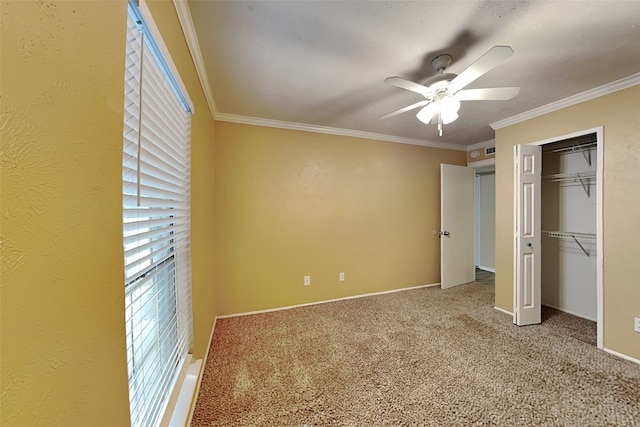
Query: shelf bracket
{"type": "Point", "coordinates": [579, 244]}
{"type": "Point", "coordinates": [586, 186]}
{"type": "Point", "coordinates": [587, 156]}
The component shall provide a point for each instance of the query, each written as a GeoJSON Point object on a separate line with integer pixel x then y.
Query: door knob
{"type": "Point", "coordinates": [444, 233]}
{"type": "Point", "coordinates": [529, 244]}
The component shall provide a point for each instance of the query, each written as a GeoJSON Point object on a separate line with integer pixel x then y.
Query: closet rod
{"type": "Point", "coordinates": [585, 149]}
{"type": "Point", "coordinates": [578, 147]}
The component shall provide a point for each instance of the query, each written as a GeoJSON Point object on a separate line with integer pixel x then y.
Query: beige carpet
{"type": "Point", "coordinates": [425, 357]}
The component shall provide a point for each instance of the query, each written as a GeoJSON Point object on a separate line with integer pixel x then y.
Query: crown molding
{"type": "Point", "coordinates": [597, 92]}
{"type": "Point", "coordinates": [234, 118]}
{"type": "Point", "coordinates": [486, 144]}
{"type": "Point", "coordinates": [184, 16]}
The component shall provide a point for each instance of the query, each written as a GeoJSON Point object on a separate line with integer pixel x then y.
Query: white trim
{"type": "Point", "coordinates": [599, 131]}
{"type": "Point", "coordinates": [486, 144]}
{"type": "Point", "coordinates": [184, 16]}
{"type": "Point", "coordinates": [235, 118]}
{"type": "Point", "coordinates": [502, 310]}
{"type": "Point", "coordinates": [186, 398]}
{"type": "Point", "coordinates": [489, 269]}
{"type": "Point", "coordinates": [622, 355]}
{"type": "Point", "coordinates": [289, 307]}
{"type": "Point", "coordinates": [573, 313]}
{"type": "Point", "coordinates": [516, 168]}
{"type": "Point", "coordinates": [157, 35]}
{"type": "Point", "coordinates": [170, 405]}
{"type": "Point", "coordinates": [587, 95]}
{"type": "Point", "coordinates": [567, 136]}
{"type": "Point", "coordinates": [600, 236]}
{"type": "Point", "coordinates": [484, 162]}
{"type": "Point", "coordinates": [477, 221]}
{"type": "Point", "coordinates": [201, 373]}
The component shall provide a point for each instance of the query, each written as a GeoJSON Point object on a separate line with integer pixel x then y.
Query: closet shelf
{"type": "Point", "coordinates": [577, 176]}
{"type": "Point", "coordinates": [585, 149]}
{"type": "Point", "coordinates": [583, 177]}
{"type": "Point", "coordinates": [571, 235]}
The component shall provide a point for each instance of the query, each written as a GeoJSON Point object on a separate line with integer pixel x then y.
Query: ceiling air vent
{"type": "Point", "coordinates": [489, 151]}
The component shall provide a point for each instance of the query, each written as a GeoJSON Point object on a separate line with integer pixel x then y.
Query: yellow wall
{"type": "Point", "coordinates": [618, 113]}
{"type": "Point", "coordinates": [291, 203]}
{"type": "Point", "coordinates": [62, 317]}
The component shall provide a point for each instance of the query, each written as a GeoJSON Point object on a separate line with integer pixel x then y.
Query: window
{"type": "Point", "coordinates": [156, 225]}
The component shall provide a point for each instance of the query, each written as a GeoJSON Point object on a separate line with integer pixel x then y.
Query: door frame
{"type": "Point", "coordinates": [599, 131]}
{"type": "Point", "coordinates": [477, 165]}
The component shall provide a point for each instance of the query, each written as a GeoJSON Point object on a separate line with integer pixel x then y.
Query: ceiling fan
{"type": "Point", "coordinates": [444, 91]}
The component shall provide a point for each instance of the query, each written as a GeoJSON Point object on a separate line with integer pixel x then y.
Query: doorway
{"type": "Point", "coordinates": [569, 219]}
{"type": "Point", "coordinates": [485, 218]}
{"type": "Point", "coordinates": [467, 229]}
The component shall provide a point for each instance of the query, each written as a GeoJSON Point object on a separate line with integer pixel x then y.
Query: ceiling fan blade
{"type": "Point", "coordinates": [405, 109]}
{"type": "Point", "coordinates": [407, 85]}
{"type": "Point", "coordinates": [488, 94]}
{"type": "Point", "coordinates": [486, 62]}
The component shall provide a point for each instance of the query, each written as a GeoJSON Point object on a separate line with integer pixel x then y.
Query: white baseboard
{"type": "Point", "coordinates": [270, 310]}
{"type": "Point", "coordinates": [423, 286]}
{"type": "Point", "coordinates": [503, 311]}
{"type": "Point", "coordinates": [489, 269]}
{"type": "Point", "coordinates": [623, 356]}
{"type": "Point", "coordinates": [569, 312]}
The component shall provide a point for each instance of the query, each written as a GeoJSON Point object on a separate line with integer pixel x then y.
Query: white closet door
{"type": "Point", "coordinates": [527, 294]}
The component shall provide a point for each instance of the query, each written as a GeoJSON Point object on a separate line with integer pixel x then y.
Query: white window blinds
{"type": "Point", "coordinates": [156, 225]}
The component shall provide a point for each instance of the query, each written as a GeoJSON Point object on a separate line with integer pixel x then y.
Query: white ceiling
{"type": "Point", "coordinates": [323, 63]}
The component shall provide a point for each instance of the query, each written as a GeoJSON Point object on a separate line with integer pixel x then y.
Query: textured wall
{"type": "Point", "coordinates": [62, 317]}
{"type": "Point", "coordinates": [290, 203]}
{"type": "Point", "coordinates": [63, 342]}
{"type": "Point", "coordinates": [618, 113]}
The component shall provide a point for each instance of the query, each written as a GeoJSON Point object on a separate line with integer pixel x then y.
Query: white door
{"type": "Point", "coordinates": [527, 249]}
{"type": "Point", "coordinates": [456, 225]}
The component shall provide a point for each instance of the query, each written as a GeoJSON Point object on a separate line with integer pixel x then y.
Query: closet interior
{"type": "Point", "coordinates": [568, 205]}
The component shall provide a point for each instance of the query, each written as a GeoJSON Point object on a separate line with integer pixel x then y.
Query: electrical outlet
{"type": "Point", "coordinates": [342, 277]}
{"type": "Point", "coordinates": [636, 324]}
{"type": "Point", "coordinates": [307, 280]}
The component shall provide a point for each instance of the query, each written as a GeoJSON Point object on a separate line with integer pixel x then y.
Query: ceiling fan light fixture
{"type": "Point", "coordinates": [449, 117]}
{"type": "Point", "coordinates": [450, 104]}
{"type": "Point", "coordinates": [449, 107]}
{"type": "Point", "coordinates": [426, 114]}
